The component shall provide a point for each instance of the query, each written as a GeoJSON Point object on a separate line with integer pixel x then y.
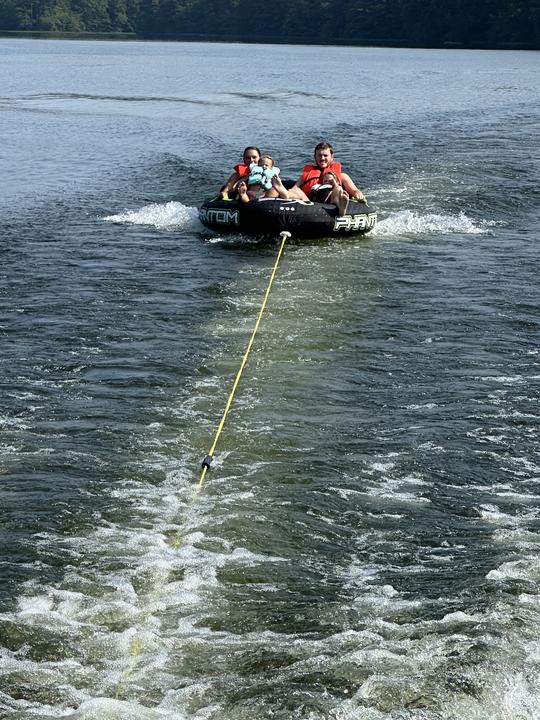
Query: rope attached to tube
{"type": "Point", "coordinates": [206, 463]}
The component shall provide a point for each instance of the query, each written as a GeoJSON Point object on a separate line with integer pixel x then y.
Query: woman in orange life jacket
{"type": "Point", "coordinates": [312, 176]}
{"type": "Point", "coordinates": [250, 155]}
{"type": "Point", "coordinates": [241, 172]}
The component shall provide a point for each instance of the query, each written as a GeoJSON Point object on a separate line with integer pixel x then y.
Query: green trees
{"type": "Point", "coordinates": [405, 22]}
{"type": "Point", "coordinates": [9, 17]}
{"type": "Point", "coordinates": [60, 17]}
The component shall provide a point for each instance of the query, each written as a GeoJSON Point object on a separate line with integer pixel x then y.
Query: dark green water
{"type": "Point", "coordinates": [366, 544]}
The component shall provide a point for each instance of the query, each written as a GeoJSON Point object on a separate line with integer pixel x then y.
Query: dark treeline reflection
{"type": "Point", "coordinates": [417, 22]}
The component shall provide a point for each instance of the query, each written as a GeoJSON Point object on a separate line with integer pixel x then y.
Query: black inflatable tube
{"type": "Point", "coordinates": [268, 217]}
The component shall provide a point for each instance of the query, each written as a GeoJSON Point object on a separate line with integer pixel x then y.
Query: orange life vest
{"type": "Point", "coordinates": [241, 170]}
{"type": "Point", "coordinates": [312, 175]}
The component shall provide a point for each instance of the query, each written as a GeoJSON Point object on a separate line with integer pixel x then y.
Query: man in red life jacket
{"type": "Point", "coordinates": [312, 176]}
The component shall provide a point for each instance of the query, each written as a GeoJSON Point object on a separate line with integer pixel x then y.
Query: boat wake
{"type": "Point", "coordinates": [176, 215]}
{"type": "Point", "coordinates": [168, 216]}
{"type": "Point", "coordinates": [408, 222]}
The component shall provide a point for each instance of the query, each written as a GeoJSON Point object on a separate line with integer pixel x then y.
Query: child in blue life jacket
{"type": "Point", "coordinates": [263, 181]}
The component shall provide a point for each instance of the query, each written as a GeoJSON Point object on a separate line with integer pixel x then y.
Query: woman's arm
{"type": "Point", "coordinates": [229, 185]}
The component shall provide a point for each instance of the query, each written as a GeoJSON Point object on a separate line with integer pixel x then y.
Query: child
{"type": "Point", "coordinates": [263, 181]}
{"type": "Point", "coordinates": [329, 190]}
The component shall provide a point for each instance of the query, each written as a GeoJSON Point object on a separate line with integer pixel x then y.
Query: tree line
{"type": "Point", "coordinates": [435, 23]}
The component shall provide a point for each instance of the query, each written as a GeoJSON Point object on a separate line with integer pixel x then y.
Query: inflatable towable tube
{"type": "Point", "coordinates": [269, 216]}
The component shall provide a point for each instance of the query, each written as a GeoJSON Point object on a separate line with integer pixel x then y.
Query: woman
{"type": "Point", "coordinates": [313, 175]}
{"type": "Point", "coordinates": [250, 155]}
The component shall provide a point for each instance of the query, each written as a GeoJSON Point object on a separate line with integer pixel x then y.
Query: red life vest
{"type": "Point", "coordinates": [241, 170]}
{"type": "Point", "coordinates": [312, 175]}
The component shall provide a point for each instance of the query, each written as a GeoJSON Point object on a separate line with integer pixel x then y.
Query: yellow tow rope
{"type": "Point", "coordinates": [208, 459]}
{"type": "Point", "coordinates": [135, 647]}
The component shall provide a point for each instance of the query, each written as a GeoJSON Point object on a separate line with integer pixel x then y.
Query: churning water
{"type": "Point", "coordinates": [367, 544]}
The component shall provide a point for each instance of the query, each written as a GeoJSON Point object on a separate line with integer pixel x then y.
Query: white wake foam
{"type": "Point", "coordinates": [168, 216]}
{"type": "Point", "coordinates": [407, 222]}
{"type": "Point", "coordinates": [175, 215]}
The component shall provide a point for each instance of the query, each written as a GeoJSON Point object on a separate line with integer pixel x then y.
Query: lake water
{"type": "Point", "coordinates": [367, 545]}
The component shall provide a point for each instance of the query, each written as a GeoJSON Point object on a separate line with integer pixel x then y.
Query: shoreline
{"type": "Point", "coordinates": [262, 40]}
